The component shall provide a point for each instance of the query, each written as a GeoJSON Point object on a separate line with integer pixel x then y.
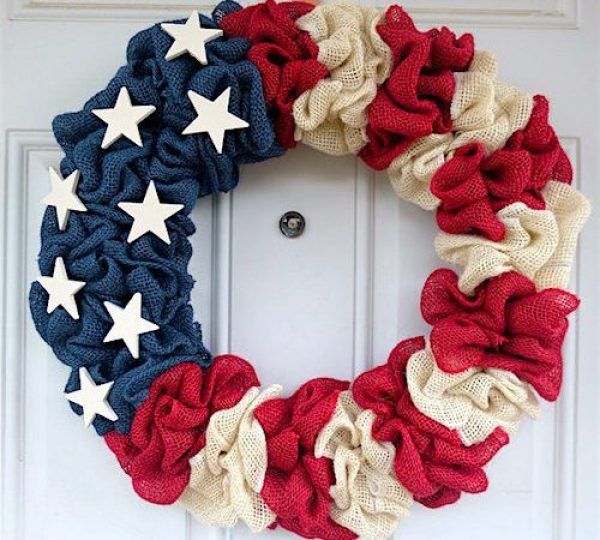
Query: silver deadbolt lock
{"type": "Point", "coordinates": [292, 224]}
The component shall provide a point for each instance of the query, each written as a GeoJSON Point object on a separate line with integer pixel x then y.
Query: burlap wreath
{"type": "Point", "coordinates": [336, 459]}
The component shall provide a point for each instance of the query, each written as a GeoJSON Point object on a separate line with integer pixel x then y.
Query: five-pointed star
{"type": "Point", "coordinates": [63, 196]}
{"type": "Point", "coordinates": [123, 119]}
{"type": "Point", "coordinates": [93, 398]}
{"type": "Point", "coordinates": [61, 289]}
{"type": "Point", "coordinates": [213, 118]}
{"type": "Point", "coordinates": [149, 215]}
{"type": "Point", "coordinates": [190, 37]}
{"type": "Point", "coordinates": [128, 324]}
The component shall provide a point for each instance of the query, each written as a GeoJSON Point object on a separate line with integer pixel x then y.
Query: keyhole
{"type": "Point", "coordinates": [292, 224]}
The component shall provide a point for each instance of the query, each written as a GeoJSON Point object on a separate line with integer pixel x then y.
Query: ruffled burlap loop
{"type": "Point", "coordinates": [571, 210]}
{"type": "Point", "coordinates": [474, 402]}
{"type": "Point", "coordinates": [507, 324]}
{"type": "Point", "coordinates": [550, 161]}
{"type": "Point", "coordinates": [367, 497]}
{"type": "Point", "coordinates": [228, 473]}
{"type": "Point", "coordinates": [531, 238]}
{"type": "Point", "coordinates": [331, 117]}
{"type": "Point", "coordinates": [411, 172]}
{"type": "Point", "coordinates": [484, 109]}
{"type": "Point", "coordinates": [415, 100]}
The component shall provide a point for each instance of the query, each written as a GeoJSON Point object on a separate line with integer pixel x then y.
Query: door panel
{"type": "Point", "coordinates": [331, 302]}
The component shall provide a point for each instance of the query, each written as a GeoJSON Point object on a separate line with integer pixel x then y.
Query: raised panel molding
{"type": "Point", "coordinates": [364, 260]}
{"type": "Point", "coordinates": [19, 145]}
{"type": "Point", "coordinates": [561, 14]}
{"type": "Point", "coordinates": [565, 428]}
{"type": "Point", "coordinates": [505, 14]}
{"type": "Point", "coordinates": [108, 11]}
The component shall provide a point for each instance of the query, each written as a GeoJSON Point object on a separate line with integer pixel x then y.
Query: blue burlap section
{"type": "Point", "coordinates": [183, 168]}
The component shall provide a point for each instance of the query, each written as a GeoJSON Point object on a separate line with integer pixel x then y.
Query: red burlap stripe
{"type": "Point", "coordinates": [415, 101]}
{"type": "Point", "coordinates": [285, 56]}
{"type": "Point", "coordinates": [507, 324]}
{"type": "Point", "coordinates": [297, 483]}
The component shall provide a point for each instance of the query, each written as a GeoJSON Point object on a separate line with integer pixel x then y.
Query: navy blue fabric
{"type": "Point", "coordinates": [183, 168]}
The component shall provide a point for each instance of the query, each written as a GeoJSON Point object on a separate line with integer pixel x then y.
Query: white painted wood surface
{"type": "Point", "coordinates": [332, 302]}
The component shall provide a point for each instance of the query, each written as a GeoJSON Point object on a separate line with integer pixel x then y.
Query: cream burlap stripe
{"type": "Point", "coordinates": [473, 402]}
{"type": "Point", "coordinates": [571, 210]}
{"type": "Point", "coordinates": [228, 473]}
{"type": "Point", "coordinates": [411, 172]}
{"type": "Point", "coordinates": [485, 109]}
{"type": "Point", "coordinates": [539, 244]}
{"type": "Point", "coordinates": [367, 497]}
{"type": "Point", "coordinates": [530, 240]}
{"type": "Point", "coordinates": [331, 117]}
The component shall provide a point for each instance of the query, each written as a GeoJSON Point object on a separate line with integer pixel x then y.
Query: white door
{"type": "Point", "coordinates": [332, 302]}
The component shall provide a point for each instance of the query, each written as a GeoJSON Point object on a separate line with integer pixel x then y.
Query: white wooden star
{"type": "Point", "coordinates": [123, 119]}
{"type": "Point", "coordinates": [128, 324]}
{"type": "Point", "coordinates": [93, 398]}
{"type": "Point", "coordinates": [213, 118]}
{"type": "Point", "coordinates": [61, 289]}
{"type": "Point", "coordinates": [63, 196]}
{"type": "Point", "coordinates": [149, 215]}
{"type": "Point", "coordinates": [190, 38]}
